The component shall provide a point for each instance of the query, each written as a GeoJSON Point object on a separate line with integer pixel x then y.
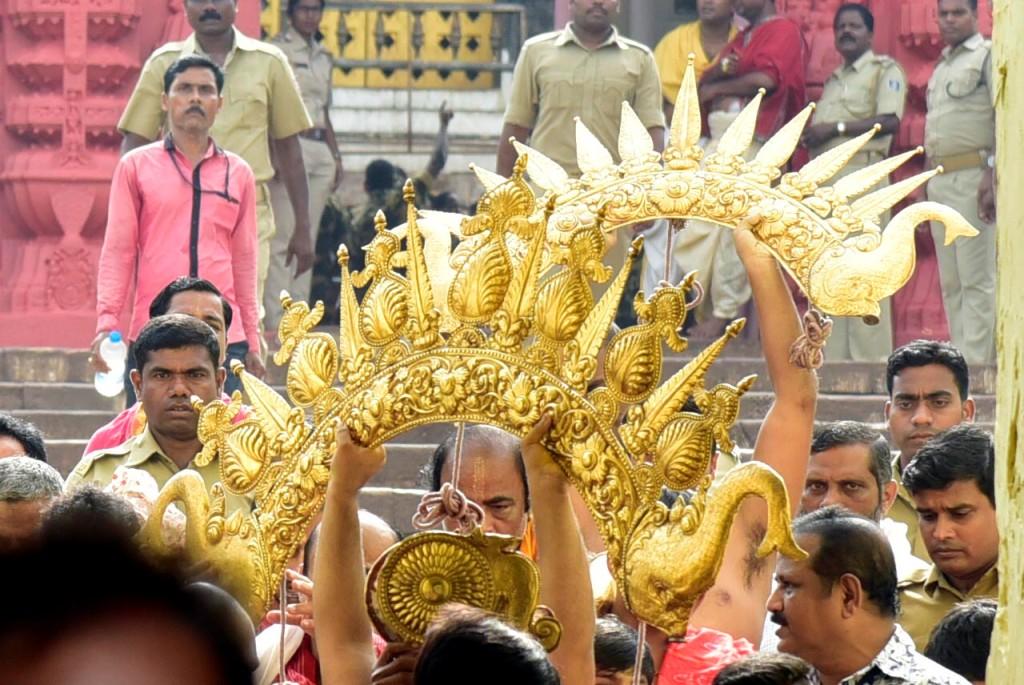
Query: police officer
{"type": "Point", "coordinates": [959, 136]}
{"type": "Point", "coordinates": [865, 91]}
{"type": "Point", "coordinates": [313, 66]}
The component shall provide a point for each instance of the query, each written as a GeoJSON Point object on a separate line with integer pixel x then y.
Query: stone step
{"type": "Point", "coordinates": [37, 402]}
{"type": "Point", "coordinates": [78, 396]}
{"type": "Point", "coordinates": [83, 410]}
{"type": "Point", "coordinates": [50, 365]}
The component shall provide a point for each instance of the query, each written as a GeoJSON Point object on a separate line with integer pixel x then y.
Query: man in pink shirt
{"type": "Point", "coordinates": [182, 206]}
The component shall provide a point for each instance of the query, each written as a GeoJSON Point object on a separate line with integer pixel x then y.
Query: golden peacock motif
{"type": "Point", "coordinates": [504, 328]}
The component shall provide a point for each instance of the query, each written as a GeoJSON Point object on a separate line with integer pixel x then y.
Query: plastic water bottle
{"type": "Point", "coordinates": [113, 351]}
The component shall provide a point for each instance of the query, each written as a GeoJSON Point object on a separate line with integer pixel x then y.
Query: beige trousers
{"type": "Point", "coordinates": [319, 163]}
{"type": "Point", "coordinates": [967, 268]}
{"type": "Point", "coordinates": [264, 234]}
{"type": "Point", "coordinates": [708, 249]}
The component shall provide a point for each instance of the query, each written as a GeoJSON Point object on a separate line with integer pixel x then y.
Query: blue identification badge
{"type": "Point", "coordinates": [895, 85]}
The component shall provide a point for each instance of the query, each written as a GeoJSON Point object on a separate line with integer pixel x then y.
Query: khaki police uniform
{"type": "Point", "coordinates": [142, 452]}
{"type": "Point", "coordinates": [261, 101]}
{"type": "Point", "coordinates": [874, 85]}
{"type": "Point", "coordinates": [313, 66]}
{"type": "Point", "coordinates": [960, 136]}
{"type": "Point", "coordinates": [904, 511]}
{"type": "Point", "coordinates": [557, 79]}
{"type": "Point", "coordinates": [926, 596]}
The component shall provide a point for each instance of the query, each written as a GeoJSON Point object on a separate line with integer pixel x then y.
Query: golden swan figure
{"type": "Point", "coordinates": [495, 334]}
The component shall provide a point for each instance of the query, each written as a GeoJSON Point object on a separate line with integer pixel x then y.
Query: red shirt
{"type": "Point", "coordinates": [166, 220]}
{"type": "Point", "coordinates": [699, 658]}
{"type": "Point", "coordinates": [775, 47]}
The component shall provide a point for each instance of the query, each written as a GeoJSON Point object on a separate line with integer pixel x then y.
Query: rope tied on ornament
{"type": "Point", "coordinates": [449, 503]}
{"type": "Point", "coordinates": [807, 351]}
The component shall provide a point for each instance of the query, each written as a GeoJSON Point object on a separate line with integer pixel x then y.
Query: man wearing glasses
{"type": "Point", "coordinates": [182, 206]}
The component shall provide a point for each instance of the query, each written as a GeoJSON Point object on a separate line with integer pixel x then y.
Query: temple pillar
{"type": "Point", "coordinates": [1006, 663]}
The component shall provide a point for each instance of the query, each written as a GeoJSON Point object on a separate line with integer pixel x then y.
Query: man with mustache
{"type": "Point", "coordinates": [182, 205]}
{"type": "Point", "coordinates": [952, 481]}
{"type": "Point", "coordinates": [960, 136]}
{"type": "Point", "coordinates": [177, 357]}
{"type": "Point", "coordinates": [867, 90]}
{"type": "Point", "coordinates": [262, 106]}
{"type": "Point", "coordinates": [929, 392]}
{"type": "Point", "coordinates": [837, 609]}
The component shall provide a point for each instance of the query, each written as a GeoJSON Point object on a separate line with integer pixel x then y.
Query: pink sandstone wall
{"type": "Point", "coordinates": [66, 70]}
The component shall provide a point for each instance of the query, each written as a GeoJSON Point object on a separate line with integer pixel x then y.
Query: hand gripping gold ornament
{"type": "Point", "coordinates": [516, 333]}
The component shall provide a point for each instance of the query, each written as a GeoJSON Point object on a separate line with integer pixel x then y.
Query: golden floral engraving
{"type": "Point", "coordinates": [409, 585]}
{"type": "Point", "coordinates": [526, 342]}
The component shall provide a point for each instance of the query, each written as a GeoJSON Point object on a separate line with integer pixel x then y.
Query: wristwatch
{"type": "Point", "coordinates": [990, 162]}
{"type": "Point", "coordinates": [841, 128]}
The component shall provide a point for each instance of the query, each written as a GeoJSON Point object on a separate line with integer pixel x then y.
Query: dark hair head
{"type": "Point", "coordinates": [88, 508]}
{"type": "Point", "coordinates": [843, 433]}
{"type": "Point", "coordinates": [292, 4]}
{"type": "Point", "coordinates": [765, 668]}
{"type": "Point", "coordinates": [924, 352]}
{"type": "Point", "coordinates": [852, 544]}
{"type": "Point", "coordinates": [464, 642]}
{"type": "Point", "coordinates": [113, 583]}
{"type": "Point", "coordinates": [963, 452]}
{"type": "Point", "coordinates": [864, 12]}
{"type": "Point", "coordinates": [485, 436]}
{"type": "Point", "coordinates": [961, 640]}
{"type": "Point", "coordinates": [973, 4]}
{"type": "Point", "coordinates": [162, 302]}
{"type": "Point", "coordinates": [187, 62]}
{"type": "Point", "coordinates": [615, 648]}
{"type": "Point", "coordinates": [26, 433]}
{"type": "Point", "coordinates": [172, 332]}
{"type": "Point", "coordinates": [380, 175]}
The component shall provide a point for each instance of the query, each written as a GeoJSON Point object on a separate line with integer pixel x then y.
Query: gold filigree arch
{"type": "Point", "coordinates": [496, 335]}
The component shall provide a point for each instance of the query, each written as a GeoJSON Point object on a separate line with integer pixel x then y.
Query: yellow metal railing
{"type": "Point", "coordinates": [417, 44]}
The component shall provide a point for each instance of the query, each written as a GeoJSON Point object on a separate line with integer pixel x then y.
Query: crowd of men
{"type": "Point", "coordinates": [228, 138]}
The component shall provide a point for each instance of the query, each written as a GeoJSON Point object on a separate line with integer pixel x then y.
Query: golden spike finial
{"type": "Point", "coordinates": [685, 130]}
{"type": "Point", "coordinates": [829, 163]}
{"type": "Point", "coordinates": [873, 205]}
{"type": "Point", "coordinates": [591, 155]}
{"type": "Point", "coordinates": [780, 147]}
{"type": "Point", "coordinates": [737, 138]}
{"type": "Point", "coordinates": [544, 171]}
{"type": "Point", "coordinates": [635, 142]}
{"type": "Point", "coordinates": [487, 178]}
{"type": "Point", "coordinates": [350, 336]}
{"type": "Point", "coordinates": [423, 317]}
{"type": "Point", "coordinates": [584, 347]}
{"type": "Point", "coordinates": [867, 178]}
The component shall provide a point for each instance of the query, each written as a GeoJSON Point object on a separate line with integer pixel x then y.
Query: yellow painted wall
{"type": "Point", "coordinates": [1006, 664]}
{"type": "Point", "coordinates": [361, 25]}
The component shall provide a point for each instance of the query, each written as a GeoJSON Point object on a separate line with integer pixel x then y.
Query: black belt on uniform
{"type": "Point", "coordinates": [315, 134]}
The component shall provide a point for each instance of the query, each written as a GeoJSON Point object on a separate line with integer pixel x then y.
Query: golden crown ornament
{"type": "Point", "coordinates": [505, 328]}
